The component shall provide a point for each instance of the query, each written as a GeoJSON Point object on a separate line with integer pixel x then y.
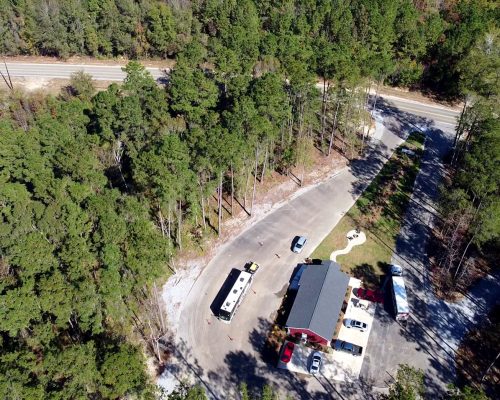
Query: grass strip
{"type": "Point", "coordinates": [379, 212]}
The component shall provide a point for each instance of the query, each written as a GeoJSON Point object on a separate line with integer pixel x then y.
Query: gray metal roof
{"type": "Point", "coordinates": [319, 299]}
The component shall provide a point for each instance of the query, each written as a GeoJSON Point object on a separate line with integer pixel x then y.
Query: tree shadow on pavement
{"type": "Point", "coordinates": [398, 122]}
{"type": "Point", "coordinates": [366, 272]}
{"type": "Point", "coordinates": [440, 368]}
{"type": "Point", "coordinates": [367, 168]}
{"type": "Point", "coordinates": [187, 365]}
{"type": "Point", "coordinates": [259, 339]}
{"type": "Point", "coordinates": [435, 327]}
{"type": "Point", "coordinates": [288, 382]}
{"type": "Point", "coordinates": [243, 367]}
{"type": "Point", "coordinates": [352, 388]}
{"type": "Point", "coordinates": [404, 121]}
{"type": "Point", "coordinates": [484, 294]}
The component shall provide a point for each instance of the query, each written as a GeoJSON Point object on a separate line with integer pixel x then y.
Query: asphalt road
{"type": "Point", "coordinates": [436, 327]}
{"type": "Point", "coordinates": [422, 349]}
{"type": "Point", "coordinates": [64, 70]}
{"type": "Point", "coordinates": [221, 355]}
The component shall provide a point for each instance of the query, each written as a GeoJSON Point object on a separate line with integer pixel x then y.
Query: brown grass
{"type": "Point", "coordinates": [444, 286]}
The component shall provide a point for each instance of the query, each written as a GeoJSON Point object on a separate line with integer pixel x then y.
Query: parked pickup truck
{"type": "Point", "coordinates": [252, 267]}
{"type": "Point", "coordinates": [341, 345]}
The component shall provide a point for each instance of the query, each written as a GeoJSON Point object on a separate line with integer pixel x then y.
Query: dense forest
{"type": "Point", "coordinates": [400, 41]}
{"type": "Point", "coordinates": [469, 232]}
{"type": "Point", "coordinates": [99, 191]}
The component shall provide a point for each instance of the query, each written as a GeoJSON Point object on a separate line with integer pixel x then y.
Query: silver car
{"type": "Point", "coordinates": [352, 323]}
{"type": "Point", "coordinates": [299, 244]}
{"type": "Point", "coordinates": [315, 363]}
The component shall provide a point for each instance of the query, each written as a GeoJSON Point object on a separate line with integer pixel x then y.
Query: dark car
{"type": "Point", "coordinates": [371, 295]}
{"type": "Point", "coordinates": [396, 270]}
{"type": "Point", "coordinates": [287, 352]}
{"type": "Point", "coordinates": [341, 345]}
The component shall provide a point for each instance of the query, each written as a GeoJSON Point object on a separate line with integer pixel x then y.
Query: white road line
{"type": "Point", "coordinates": [404, 108]}
{"type": "Point", "coordinates": [63, 71]}
{"type": "Point", "coordinates": [446, 123]}
{"type": "Point", "coordinates": [405, 100]}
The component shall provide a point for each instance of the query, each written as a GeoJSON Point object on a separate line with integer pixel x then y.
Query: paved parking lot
{"type": "Point", "coordinates": [299, 362]}
{"type": "Point", "coordinates": [345, 366]}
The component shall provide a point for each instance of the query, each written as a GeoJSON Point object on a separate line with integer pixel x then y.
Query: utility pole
{"type": "Point", "coordinates": [9, 81]}
{"type": "Point", "coordinates": [490, 366]}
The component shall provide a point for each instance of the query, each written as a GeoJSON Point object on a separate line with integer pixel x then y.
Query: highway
{"type": "Point", "coordinates": [62, 70]}
{"type": "Point", "coordinates": [435, 115]}
{"type": "Point", "coordinates": [442, 117]}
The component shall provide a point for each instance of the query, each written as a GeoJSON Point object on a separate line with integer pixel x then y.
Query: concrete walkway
{"type": "Point", "coordinates": [353, 239]}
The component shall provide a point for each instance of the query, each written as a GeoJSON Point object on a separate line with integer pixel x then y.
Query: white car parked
{"type": "Point", "coordinates": [299, 244]}
{"type": "Point", "coordinates": [315, 363]}
{"type": "Point", "coordinates": [352, 323]}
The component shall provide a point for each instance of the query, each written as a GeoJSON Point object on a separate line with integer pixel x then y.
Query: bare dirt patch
{"type": "Point", "coordinates": [51, 86]}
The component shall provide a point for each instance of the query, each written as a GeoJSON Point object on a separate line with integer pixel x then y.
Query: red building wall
{"type": "Point", "coordinates": [311, 336]}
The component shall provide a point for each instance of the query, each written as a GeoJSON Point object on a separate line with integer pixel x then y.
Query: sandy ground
{"type": "Point", "coordinates": [48, 85]}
